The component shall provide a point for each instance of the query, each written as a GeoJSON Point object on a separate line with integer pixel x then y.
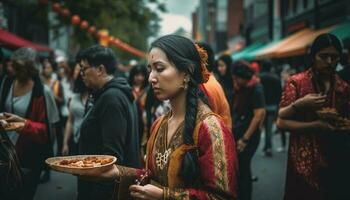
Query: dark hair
{"type": "Point", "coordinates": [185, 56]}
{"type": "Point", "coordinates": [79, 57]}
{"type": "Point", "coordinates": [98, 55]}
{"type": "Point", "coordinates": [266, 65]}
{"type": "Point", "coordinates": [138, 69]}
{"type": "Point", "coordinates": [210, 53]}
{"type": "Point", "coordinates": [54, 67]}
{"type": "Point", "coordinates": [79, 85]}
{"type": "Point", "coordinates": [321, 42]}
{"type": "Point", "coordinates": [227, 78]}
{"type": "Point", "coordinates": [242, 69]}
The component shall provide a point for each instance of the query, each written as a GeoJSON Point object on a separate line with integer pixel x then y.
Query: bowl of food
{"type": "Point", "coordinates": [81, 164]}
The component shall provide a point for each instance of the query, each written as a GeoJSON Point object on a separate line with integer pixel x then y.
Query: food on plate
{"type": "Point", "coordinates": [91, 161]}
{"type": "Point", "coordinates": [9, 126]}
{"type": "Point", "coordinates": [342, 122]}
{"type": "Point", "coordinates": [328, 113]}
{"type": "Point", "coordinates": [332, 116]}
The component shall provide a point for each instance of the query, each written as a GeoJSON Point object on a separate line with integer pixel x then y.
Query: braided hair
{"type": "Point", "coordinates": [186, 58]}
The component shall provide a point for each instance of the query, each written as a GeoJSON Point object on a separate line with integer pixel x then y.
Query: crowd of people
{"type": "Point", "coordinates": [184, 125]}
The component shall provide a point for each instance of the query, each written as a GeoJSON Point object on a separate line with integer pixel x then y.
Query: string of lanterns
{"type": "Point", "coordinates": [101, 34]}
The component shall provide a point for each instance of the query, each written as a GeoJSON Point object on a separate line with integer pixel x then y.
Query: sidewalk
{"type": "Point", "coordinates": [60, 187]}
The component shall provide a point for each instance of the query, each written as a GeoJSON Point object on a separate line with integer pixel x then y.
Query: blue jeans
{"type": "Point", "coordinates": [271, 112]}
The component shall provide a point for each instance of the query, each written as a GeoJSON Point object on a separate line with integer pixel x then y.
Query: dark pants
{"type": "Point", "coordinates": [73, 148]}
{"type": "Point", "coordinates": [270, 117]}
{"type": "Point", "coordinates": [283, 138]}
{"type": "Point", "coordinates": [31, 180]}
{"type": "Point", "coordinates": [59, 134]}
{"type": "Point", "coordinates": [245, 184]}
{"type": "Point", "coordinates": [95, 190]}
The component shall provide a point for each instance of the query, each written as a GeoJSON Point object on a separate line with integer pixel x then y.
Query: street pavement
{"type": "Point", "coordinates": [270, 171]}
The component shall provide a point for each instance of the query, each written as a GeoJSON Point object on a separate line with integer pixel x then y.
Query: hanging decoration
{"type": "Point", "coordinates": [92, 29]}
{"type": "Point", "coordinates": [75, 19]}
{"type": "Point", "coordinates": [65, 12]}
{"type": "Point", "coordinates": [104, 38]}
{"type": "Point", "coordinates": [84, 24]}
{"type": "Point", "coordinates": [56, 7]}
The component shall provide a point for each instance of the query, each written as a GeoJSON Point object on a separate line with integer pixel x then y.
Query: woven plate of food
{"type": "Point", "coordinates": [81, 164]}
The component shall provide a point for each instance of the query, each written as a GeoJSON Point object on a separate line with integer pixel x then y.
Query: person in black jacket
{"type": "Point", "coordinates": [110, 125]}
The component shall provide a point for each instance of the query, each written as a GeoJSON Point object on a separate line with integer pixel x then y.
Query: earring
{"type": "Point", "coordinates": [185, 86]}
{"type": "Point", "coordinates": [185, 83]}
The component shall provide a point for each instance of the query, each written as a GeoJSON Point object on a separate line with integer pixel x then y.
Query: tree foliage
{"type": "Point", "coordinates": [130, 20]}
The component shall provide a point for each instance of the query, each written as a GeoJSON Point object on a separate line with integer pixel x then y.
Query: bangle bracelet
{"type": "Point", "coordinates": [165, 193]}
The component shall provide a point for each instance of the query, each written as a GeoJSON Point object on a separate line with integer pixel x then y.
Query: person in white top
{"type": "Point", "coordinates": [76, 113]}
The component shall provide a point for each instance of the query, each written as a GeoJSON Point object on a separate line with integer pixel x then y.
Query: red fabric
{"type": "Point", "coordinates": [217, 160]}
{"type": "Point", "coordinates": [12, 41]}
{"type": "Point", "coordinates": [35, 130]}
{"type": "Point", "coordinates": [216, 170]}
{"type": "Point", "coordinates": [233, 164]}
{"type": "Point", "coordinates": [306, 156]}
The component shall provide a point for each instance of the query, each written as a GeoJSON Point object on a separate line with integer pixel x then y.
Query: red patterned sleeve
{"type": "Point", "coordinates": [37, 129]}
{"type": "Point", "coordinates": [289, 94]}
{"type": "Point", "coordinates": [128, 177]}
{"type": "Point", "coordinates": [218, 164]}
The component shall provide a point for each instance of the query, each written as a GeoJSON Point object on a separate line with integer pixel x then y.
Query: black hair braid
{"type": "Point", "coordinates": [191, 113]}
{"type": "Point", "coordinates": [190, 167]}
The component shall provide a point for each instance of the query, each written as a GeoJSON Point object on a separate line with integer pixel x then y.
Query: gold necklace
{"type": "Point", "coordinates": [162, 159]}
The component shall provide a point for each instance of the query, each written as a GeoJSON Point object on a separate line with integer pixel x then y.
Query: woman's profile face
{"type": "Point", "coordinates": [326, 60]}
{"type": "Point", "coordinates": [222, 68]}
{"type": "Point", "coordinates": [165, 79]}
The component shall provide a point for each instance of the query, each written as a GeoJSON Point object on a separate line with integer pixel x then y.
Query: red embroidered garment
{"type": "Point", "coordinates": [216, 156]}
{"type": "Point", "coordinates": [307, 151]}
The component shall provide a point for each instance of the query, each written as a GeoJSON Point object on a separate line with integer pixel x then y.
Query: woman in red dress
{"type": "Point", "coordinates": [317, 162]}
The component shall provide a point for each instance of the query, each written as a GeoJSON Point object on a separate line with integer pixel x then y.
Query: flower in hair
{"type": "Point", "coordinates": [203, 63]}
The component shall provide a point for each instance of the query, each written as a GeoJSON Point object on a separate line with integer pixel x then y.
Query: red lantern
{"type": "Point", "coordinates": [65, 12]}
{"type": "Point", "coordinates": [56, 7]}
{"type": "Point", "coordinates": [84, 24]}
{"type": "Point", "coordinates": [92, 29]}
{"type": "Point", "coordinates": [75, 19]}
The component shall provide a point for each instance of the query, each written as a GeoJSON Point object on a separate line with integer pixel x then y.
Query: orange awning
{"type": "Point", "coordinates": [271, 52]}
{"type": "Point", "coordinates": [299, 46]}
